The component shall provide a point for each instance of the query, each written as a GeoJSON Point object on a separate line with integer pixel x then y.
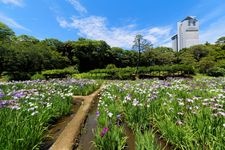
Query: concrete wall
{"type": "Point", "coordinates": [187, 33]}
{"type": "Point", "coordinates": [175, 43]}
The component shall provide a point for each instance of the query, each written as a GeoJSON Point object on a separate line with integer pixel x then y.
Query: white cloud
{"type": "Point", "coordinates": [78, 6]}
{"type": "Point", "coordinates": [213, 31]}
{"type": "Point", "coordinates": [167, 44]}
{"type": "Point", "coordinates": [12, 23]}
{"type": "Point", "coordinates": [95, 27]}
{"type": "Point", "coordinates": [13, 2]}
{"type": "Point", "coordinates": [212, 23]}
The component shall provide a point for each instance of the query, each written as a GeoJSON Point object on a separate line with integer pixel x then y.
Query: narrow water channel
{"type": "Point", "coordinates": [55, 129]}
{"type": "Point", "coordinates": [162, 143]}
{"type": "Point", "coordinates": [87, 133]}
{"type": "Point", "coordinates": [130, 138]}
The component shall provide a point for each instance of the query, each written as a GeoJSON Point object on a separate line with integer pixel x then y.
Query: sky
{"type": "Point", "coordinates": [114, 21]}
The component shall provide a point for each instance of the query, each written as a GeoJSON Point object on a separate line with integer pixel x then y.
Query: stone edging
{"type": "Point", "coordinates": [69, 135]}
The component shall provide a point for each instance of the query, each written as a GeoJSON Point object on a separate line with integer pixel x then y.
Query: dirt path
{"type": "Point", "coordinates": [68, 137]}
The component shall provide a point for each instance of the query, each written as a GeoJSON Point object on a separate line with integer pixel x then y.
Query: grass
{"type": "Point", "coordinates": [27, 108]}
{"type": "Point", "coordinates": [201, 76]}
{"type": "Point", "coordinates": [189, 113]}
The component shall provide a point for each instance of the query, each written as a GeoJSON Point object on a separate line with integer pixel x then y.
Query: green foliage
{"type": "Point", "coordinates": [122, 58]}
{"type": "Point", "coordinates": [194, 53]}
{"type": "Point", "coordinates": [158, 56]}
{"type": "Point", "coordinates": [221, 40]}
{"type": "Point", "coordinates": [205, 64]}
{"type": "Point", "coordinates": [112, 140]}
{"type": "Point", "coordinates": [91, 76]}
{"type": "Point", "coordinates": [216, 72]}
{"type": "Point", "coordinates": [59, 73]}
{"type": "Point", "coordinates": [37, 76]}
{"type": "Point", "coordinates": [220, 63]}
{"type": "Point", "coordinates": [163, 71]}
{"type": "Point", "coordinates": [27, 38]}
{"type": "Point", "coordinates": [22, 56]}
{"type": "Point", "coordinates": [37, 104]}
{"type": "Point", "coordinates": [90, 53]}
{"type": "Point", "coordinates": [186, 114]}
{"type": "Point", "coordinates": [5, 32]}
{"type": "Point", "coordinates": [145, 141]}
{"type": "Point", "coordinates": [141, 44]}
{"type": "Point", "coordinates": [110, 66]}
{"type": "Point", "coordinates": [17, 75]}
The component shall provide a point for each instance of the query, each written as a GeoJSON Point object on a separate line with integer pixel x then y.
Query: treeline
{"type": "Point", "coordinates": [130, 73]}
{"type": "Point", "coordinates": [23, 56]}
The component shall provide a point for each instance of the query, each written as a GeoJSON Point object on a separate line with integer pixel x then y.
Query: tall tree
{"type": "Point", "coordinates": [5, 32]}
{"type": "Point", "coordinates": [55, 44]}
{"type": "Point", "coordinates": [159, 56]}
{"type": "Point", "coordinates": [92, 54]}
{"type": "Point", "coordinates": [141, 44]}
{"type": "Point", "coordinates": [27, 38]}
{"type": "Point", "coordinates": [221, 40]}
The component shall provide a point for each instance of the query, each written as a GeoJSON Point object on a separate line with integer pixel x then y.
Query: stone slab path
{"type": "Point", "coordinates": [68, 137]}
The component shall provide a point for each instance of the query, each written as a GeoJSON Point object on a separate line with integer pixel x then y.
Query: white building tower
{"type": "Point", "coordinates": [187, 34]}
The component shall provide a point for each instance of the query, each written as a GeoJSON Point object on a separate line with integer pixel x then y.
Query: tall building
{"type": "Point", "coordinates": [187, 34]}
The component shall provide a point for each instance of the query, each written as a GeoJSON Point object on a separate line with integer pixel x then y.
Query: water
{"type": "Point", "coordinates": [87, 133]}
{"type": "Point", "coordinates": [55, 129]}
{"type": "Point", "coordinates": [130, 138]}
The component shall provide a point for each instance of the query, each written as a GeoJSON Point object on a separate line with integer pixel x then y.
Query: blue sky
{"type": "Point", "coordinates": [115, 21]}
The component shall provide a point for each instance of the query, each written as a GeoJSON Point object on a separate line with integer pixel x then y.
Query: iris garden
{"type": "Point", "coordinates": [28, 108]}
{"type": "Point", "coordinates": [172, 113]}
{"type": "Point", "coordinates": [186, 113]}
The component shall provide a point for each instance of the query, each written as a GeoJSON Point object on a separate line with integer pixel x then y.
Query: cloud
{"type": "Point", "coordinates": [213, 31]}
{"type": "Point", "coordinates": [213, 14]}
{"type": "Point", "coordinates": [13, 2]}
{"type": "Point", "coordinates": [211, 19]}
{"type": "Point", "coordinates": [77, 5]}
{"type": "Point", "coordinates": [12, 23]}
{"type": "Point", "coordinates": [95, 27]}
{"type": "Point", "coordinates": [167, 44]}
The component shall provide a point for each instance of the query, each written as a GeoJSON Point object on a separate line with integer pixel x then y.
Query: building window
{"type": "Point", "coordinates": [194, 22]}
{"type": "Point", "coordinates": [191, 22]}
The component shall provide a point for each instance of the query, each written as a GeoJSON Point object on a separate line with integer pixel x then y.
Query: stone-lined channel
{"type": "Point", "coordinates": [80, 126]}
{"type": "Point", "coordinates": [56, 129]}
{"type": "Point", "coordinates": [87, 133]}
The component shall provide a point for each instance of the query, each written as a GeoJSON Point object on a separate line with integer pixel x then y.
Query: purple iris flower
{"type": "Point", "coordinates": [97, 113]}
{"type": "Point", "coordinates": [2, 95]}
{"type": "Point", "coordinates": [104, 131]}
{"type": "Point", "coordinates": [18, 94]}
{"type": "Point", "coordinates": [5, 103]}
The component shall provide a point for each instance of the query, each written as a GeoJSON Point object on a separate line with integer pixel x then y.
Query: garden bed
{"type": "Point", "coordinates": [162, 114]}
{"type": "Point", "coordinates": [69, 138]}
{"type": "Point", "coordinates": [28, 109]}
{"type": "Point", "coordinates": [144, 114]}
{"type": "Point", "coordinates": [58, 126]}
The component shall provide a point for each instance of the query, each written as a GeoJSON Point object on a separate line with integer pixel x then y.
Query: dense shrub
{"type": "Point", "coordinates": [37, 76]}
{"type": "Point", "coordinates": [59, 73]}
{"type": "Point", "coordinates": [129, 72]}
{"type": "Point", "coordinates": [110, 66]}
{"type": "Point", "coordinates": [90, 76]}
{"type": "Point", "coordinates": [55, 73]}
{"type": "Point", "coordinates": [216, 72]}
{"type": "Point", "coordinates": [17, 75]}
